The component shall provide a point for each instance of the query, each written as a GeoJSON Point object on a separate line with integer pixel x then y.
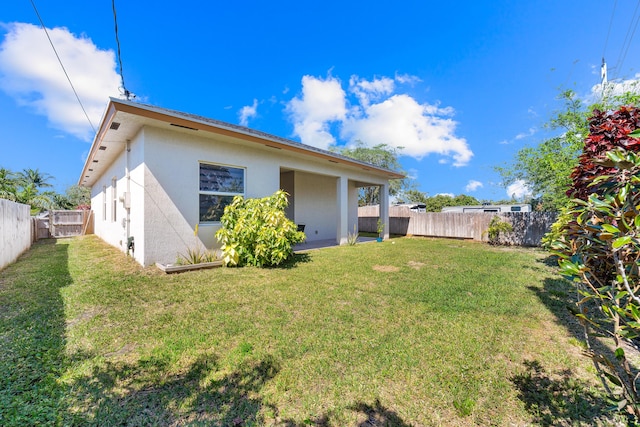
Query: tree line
{"type": "Point", "coordinates": [33, 187]}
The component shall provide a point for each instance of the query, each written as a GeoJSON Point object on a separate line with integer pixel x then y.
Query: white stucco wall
{"type": "Point", "coordinates": [316, 206]}
{"type": "Point", "coordinates": [15, 231]}
{"type": "Point", "coordinates": [115, 232]}
{"type": "Point", "coordinates": [165, 170]}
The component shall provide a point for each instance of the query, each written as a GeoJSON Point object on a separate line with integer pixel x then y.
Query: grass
{"type": "Point", "coordinates": [405, 332]}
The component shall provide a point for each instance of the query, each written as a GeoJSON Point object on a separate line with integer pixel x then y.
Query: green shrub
{"type": "Point", "coordinates": [599, 247]}
{"type": "Point", "coordinates": [497, 227]}
{"type": "Point", "coordinates": [257, 231]}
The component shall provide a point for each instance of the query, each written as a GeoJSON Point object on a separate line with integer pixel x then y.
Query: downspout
{"type": "Point", "coordinates": [127, 200]}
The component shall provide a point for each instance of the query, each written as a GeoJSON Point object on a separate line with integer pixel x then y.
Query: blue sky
{"type": "Point", "coordinates": [460, 85]}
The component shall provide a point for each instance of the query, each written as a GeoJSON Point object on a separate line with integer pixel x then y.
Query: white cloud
{"type": "Point", "coordinates": [407, 79]}
{"type": "Point", "coordinates": [421, 129]}
{"type": "Point", "coordinates": [518, 190]}
{"type": "Point", "coordinates": [523, 135]}
{"type": "Point", "coordinates": [614, 88]}
{"type": "Point", "coordinates": [377, 116]}
{"type": "Point", "coordinates": [31, 74]}
{"type": "Point", "coordinates": [473, 185]}
{"type": "Point", "coordinates": [366, 91]}
{"type": "Point", "coordinates": [248, 112]}
{"type": "Point", "coordinates": [322, 102]}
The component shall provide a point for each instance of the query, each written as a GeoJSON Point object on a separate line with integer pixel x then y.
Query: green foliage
{"type": "Point", "coordinates": [557, 228]}
{"type": "Point", "coordinates": [352, 238]}
{"type": "Point", "coordinates": [436, 203]}
{"type": "Point", "coordinates": [257, 231]}
{"type": "Point", "coordinates": [599, 250]}
{"type": "Point", "coordinates": [381, 155]}
{"type": "Point", "coordinates": [497, 227]}
{"type": "Point", "coordinates": [413, 196]}
{"type": "Point", "coordinates": [196, 256]}
{"type": "Point", "coordinates": [546, 168]}
{"type": "Point", "coordinates": [379, 227]}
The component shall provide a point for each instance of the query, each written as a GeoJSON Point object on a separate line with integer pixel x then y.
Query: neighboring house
{"type": "Point", "coordinates": [155, 174]}
{"type": "Point", "coordinates": [488, 208]}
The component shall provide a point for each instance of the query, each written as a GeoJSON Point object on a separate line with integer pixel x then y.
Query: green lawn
{"type": "Point", "coordinates": [405, 332]}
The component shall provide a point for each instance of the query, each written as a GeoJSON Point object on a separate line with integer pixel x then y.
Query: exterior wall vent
{"type": "Point", "coordinates": [102, 147]}
{"type": "Point", "coordinates": [114, 126]}
{"type": "Point", "coordinates": [183, 127]}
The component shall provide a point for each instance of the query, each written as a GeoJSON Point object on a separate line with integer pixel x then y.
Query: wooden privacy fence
{"type": "Point", "coordinates": [528, 227]}
{"type": "Point", "coordinates": [62, 224]}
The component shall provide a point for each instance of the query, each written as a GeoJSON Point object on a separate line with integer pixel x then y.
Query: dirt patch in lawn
{"type": "Point", "coordinates": [416, 265]}
{"type": "Point", "coordinates": [386, 268]}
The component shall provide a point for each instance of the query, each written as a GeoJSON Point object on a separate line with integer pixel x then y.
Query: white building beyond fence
{"type": "Point", "coordinates": [528, 227]}
{"type": "Point", "coordinates": [15, 231]}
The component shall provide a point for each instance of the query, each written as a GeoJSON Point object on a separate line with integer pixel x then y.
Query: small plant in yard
{"type": "Point", "coordinates": [196, 256]}
{"type": "Point", "coordinates": [599, 247]}
{"type": "Point", "coordinates": [257, 231]}
{"type": "Point", "coordinates": [496, 228]}
{"type": "Point", "coordinates": [379, 227]}
{"type": "Point", "coordinates": [352, 238]}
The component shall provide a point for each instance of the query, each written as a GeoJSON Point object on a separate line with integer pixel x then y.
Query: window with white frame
{"type": "Point", "coordinates": [114, 198]}
{"type": "Point", "coordinates": [104, 202]}
{"type": "Point", "coordinates": [218, 186]}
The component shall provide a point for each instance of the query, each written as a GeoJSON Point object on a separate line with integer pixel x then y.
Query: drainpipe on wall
{"type": "Point", "coordinates": [127, 200]}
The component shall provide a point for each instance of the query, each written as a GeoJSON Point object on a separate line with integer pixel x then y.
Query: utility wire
{"type": "Point", "coordinates": [62, 65]}
{"type": "Point", "coordinates": [606, 42]}
{"type": "Point", "coordinates": [127, 94]}
{"type": "Point", "coordinates": [628, 38]}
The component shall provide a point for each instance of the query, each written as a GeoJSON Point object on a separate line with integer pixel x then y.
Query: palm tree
{"type": "Point", "coordinates": [7, 184]}
{"type": "Point", "coordinates": [35, 177]}
{"type": "Point", "coordinates": [29, 195]}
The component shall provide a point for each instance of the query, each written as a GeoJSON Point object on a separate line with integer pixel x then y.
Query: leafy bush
{"type": "Point", "coordinates": [600, 246]}
{"type": "Point", "coordinates": [257, 231]}
{"type": "Point", "coordinates": [497, 227]}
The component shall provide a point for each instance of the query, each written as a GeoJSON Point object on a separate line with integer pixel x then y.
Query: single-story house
{"type": "Point", "coordinates": [160, 180]}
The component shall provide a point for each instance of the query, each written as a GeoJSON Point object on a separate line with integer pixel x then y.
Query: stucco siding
{"type": "Point", "coordinates": [172, 188]}
{"type": "Point", "coordinates": [316, 205]}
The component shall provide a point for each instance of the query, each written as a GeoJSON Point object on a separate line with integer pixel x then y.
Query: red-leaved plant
{"type": "Point", "coordinates": [599, 248]}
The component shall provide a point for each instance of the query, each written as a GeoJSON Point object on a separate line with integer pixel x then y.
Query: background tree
{"type": "Point", "coordinates": [546, 168]}
{"type": "Point", "coordinates": [26, 187]}
{"type": "Point", "coordinates": [381, 155]}
{"type": "Point", "coordinates": [7, 185]}
{"type": "Point", "coordinates": [34, 177]}
{"type": "Point", "coordinates": [439, 201]}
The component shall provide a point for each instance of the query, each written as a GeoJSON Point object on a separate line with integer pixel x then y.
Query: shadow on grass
{"type": "Point", "coordinates": [294, 260]}
{"type": "Point", "coordinates": [543, 394]}
{"type": "Point", "coordinates": [374, 415]}
{"type": "Point", "coordinates": [32, 335]}
{"type": "Point", "coordinates": [143, 394]}
{"type": "Point", "coordinates": [557, 399]}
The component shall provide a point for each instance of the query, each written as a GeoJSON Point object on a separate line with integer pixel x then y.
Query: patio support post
{"type": "Point", "coordinates": [384, 209]}
{"type": "Point", "coordinates": [342, 192]}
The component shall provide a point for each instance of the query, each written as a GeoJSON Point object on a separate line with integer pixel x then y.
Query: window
{"type": "Point", "coordinates": [516, 209]}
{"type": "Point", "coordinates": [218, 185]}
{"type": "Point", "coordinates": [104, 202]}
{"type": "Point", "coordinates": [114, 197]}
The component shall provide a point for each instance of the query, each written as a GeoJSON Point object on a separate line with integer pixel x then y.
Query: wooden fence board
{"type": "Point", "coordinates": [528, 227]}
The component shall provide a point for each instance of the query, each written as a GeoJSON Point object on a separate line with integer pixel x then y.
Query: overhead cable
{"type": "Point", "coordinates": [62, 65]}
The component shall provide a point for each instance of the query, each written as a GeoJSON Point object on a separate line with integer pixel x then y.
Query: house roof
{"type": "Point", "coordinates": [123, 119]}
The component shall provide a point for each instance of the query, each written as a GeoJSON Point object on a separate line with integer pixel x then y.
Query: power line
{"type": "Point", "coordinates": [606, 42]}
{"type": "Point", "coordinates": [628, 38]}
{"type": "Point", "coordinates": [127, 94]}
{"type": "Point", "coordinates": [62, 65]}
